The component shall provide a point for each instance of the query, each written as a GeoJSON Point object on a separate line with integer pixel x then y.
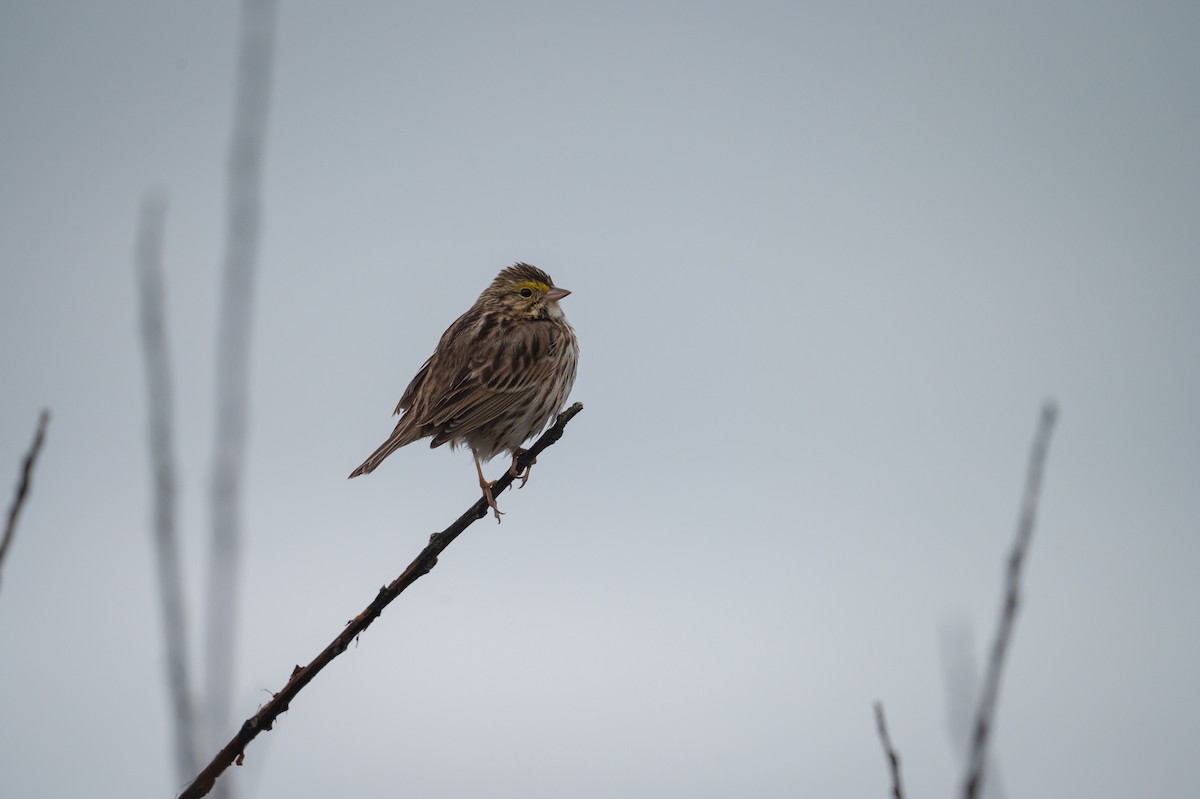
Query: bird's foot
{"type": "Point", "coordinates": [491, 500]}
{"type": "Point", "coordinates": [524, 476]}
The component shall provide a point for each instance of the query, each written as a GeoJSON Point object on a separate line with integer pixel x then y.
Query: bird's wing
{"type": "Point", "coordinates": [414, 388]}
{"type": "Point", "coordinates": [450, 361]}
{"type": "Point", "coordinates": [497, 374]}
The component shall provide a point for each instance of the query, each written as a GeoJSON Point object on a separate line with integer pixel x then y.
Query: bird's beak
{"type": "Point", "coordinates": [556, 294]}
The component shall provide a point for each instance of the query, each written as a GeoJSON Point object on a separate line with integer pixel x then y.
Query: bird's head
{"type": "Point", "coordinates": [522, 291]}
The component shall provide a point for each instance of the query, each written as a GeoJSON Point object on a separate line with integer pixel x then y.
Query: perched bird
{"type": "Point", "coordinates": [499, 374]}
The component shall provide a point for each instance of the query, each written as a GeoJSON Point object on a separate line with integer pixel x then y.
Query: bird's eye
{"type": "Point", "coordinates": [526, 293]}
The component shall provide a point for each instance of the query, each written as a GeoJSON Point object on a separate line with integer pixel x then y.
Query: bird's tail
{"type": "Point", "coordinates": [395, 442]}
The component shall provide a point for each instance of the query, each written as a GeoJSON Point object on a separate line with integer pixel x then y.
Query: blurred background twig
{"type": "Point", "coordinates": [23, 484]}
{"type": "Point", "coordinates": [889, 751]}
{"type": "Point", "coordinates": [985, 715]}
{"type": "Point", "coordinates": [255, 58]}
{"type": "Point", "coordinates": [160, 411]}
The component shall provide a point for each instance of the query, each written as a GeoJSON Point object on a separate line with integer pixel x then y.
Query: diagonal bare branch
{"type": "Point", "coordinates": [986, 713]}
{"type": "Point", "coordinates": [265, 718]}
{"type": "Point", "coordinates": [160, 412]}
{"type": "Point", "coordinates": [14, 510]}
{"type": "Point", "coordinates": [889, 751]}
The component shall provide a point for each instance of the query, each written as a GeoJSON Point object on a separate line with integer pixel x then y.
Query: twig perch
{"type": "Point", "coordinates": [889, 751]}
{"type": "Point", "coordinates": [986, 712]}
{"type": "Point", "coordinates": [14, 510]}
{"type": "Point", "coordinates": [265, 718]}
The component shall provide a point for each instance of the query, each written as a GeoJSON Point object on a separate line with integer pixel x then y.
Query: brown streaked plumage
{"type": "Point", "coordinates": [499, 374]}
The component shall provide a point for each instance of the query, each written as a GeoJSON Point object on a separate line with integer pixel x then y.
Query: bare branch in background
{"type": "Point", "coordinates": [265, 718]}
{"type": "Point", "coordinates": [960, 671]}
{"type": "Point", "coordinates": [160, 409]}
{"type": "Point", "coordinates": [14, 510]}
{"type": "Point", "coordinates": [889, 751]}
{"type": "Point", "coordinates": [985, 714]}
{"type": "Point", "coordinates": [255, 58]}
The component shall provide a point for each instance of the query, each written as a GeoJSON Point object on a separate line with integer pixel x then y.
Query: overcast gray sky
{"type": "Point", "coordinates": [827, 261]}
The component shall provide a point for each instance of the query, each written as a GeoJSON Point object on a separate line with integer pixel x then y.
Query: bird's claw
{"type": "Point", "coordinates": [523, 476]}
{"type": "Point", "coordinates": [491, 500]}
